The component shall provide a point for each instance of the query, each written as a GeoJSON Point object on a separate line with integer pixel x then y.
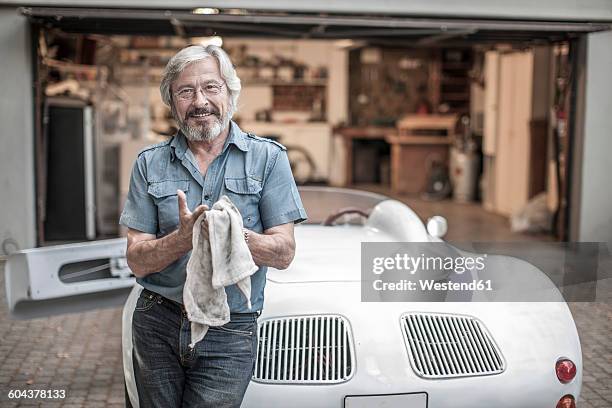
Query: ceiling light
{"type": "Point", "coordinates": [205, 10]}
{"type": "Point", "coordinates": [214, 40]}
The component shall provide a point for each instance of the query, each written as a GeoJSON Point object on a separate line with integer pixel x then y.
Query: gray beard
{"type": "Point", "coordinates": [203, 133]}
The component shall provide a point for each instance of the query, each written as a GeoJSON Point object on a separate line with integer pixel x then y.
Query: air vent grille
{"type": "Point", "coordinates": [304, 350]}
{"type": "Point", "coordinates": [443, 346]}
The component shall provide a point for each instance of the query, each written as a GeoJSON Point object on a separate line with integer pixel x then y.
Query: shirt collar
{"type": "Point", "coordinates": [236, 137]}
{"type": "Point", "coordinates": [179, 145]}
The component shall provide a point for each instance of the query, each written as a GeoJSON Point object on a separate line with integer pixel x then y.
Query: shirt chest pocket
{"type": "Point", "coordinates": [245, 193]}
{"type": "Point", "coordinates": [166, 200]}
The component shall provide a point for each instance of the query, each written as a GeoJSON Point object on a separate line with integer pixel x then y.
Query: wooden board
{"type": "Point", "coordinates": [513, 144]}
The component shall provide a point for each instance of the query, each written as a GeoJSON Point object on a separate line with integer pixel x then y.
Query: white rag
{"type": "Point", "coordinates": [222, 260]}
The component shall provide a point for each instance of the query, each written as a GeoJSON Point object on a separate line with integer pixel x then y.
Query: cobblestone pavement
{"type": "Point", "coordinates": [81, 354]}
{"type": "Point", "coordinates": [594, 323]}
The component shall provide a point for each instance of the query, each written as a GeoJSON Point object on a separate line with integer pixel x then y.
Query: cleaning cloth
{"type": "Point", "coordinates": [218, 261]}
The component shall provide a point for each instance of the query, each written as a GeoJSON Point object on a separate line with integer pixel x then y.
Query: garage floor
{"type": "Point", "coordinates": [466, 221]}
{"type": "Point", "coordinates": [81, 353]}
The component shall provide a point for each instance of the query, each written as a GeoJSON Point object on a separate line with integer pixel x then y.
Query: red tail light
{"type": "Point", "coordinates": [566, 402]}
{"type": "Point", "coordinates": [566, 370]}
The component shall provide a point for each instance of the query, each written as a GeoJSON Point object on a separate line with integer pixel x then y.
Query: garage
{"type": "Point", "coordinates": [434, 110]}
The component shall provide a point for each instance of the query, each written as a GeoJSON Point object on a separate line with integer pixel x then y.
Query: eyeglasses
{"type": "Point", "coordinates": [188, 94]}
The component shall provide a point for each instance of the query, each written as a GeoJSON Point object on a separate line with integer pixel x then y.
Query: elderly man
{"type": "Point", "coordinates": [174, 182]}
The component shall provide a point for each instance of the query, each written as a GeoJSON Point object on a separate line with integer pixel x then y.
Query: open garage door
{"type": "Point", "coordinates": [78, 276]}
{"type": "Point", "coordinates": [379, 29]}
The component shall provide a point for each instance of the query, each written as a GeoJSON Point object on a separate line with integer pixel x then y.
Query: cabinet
{"type": "Point", "coordinates": [454, 87]}
{"type": "Point", "coordinates": [515, 127]}
{"type": "Point", "coordinates": [420, 140]}
{"type": "Point", "coordinates": [69, 200]}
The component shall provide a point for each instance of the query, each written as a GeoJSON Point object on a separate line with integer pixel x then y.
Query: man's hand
{"type": "Point", "coordinates": [187, 219]}
{"type": "Point", "coordinates": [147, 254]}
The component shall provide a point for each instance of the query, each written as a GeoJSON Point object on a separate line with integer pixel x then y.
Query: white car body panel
{"type": "Point", "coordinates": [325, 278]}
{"type": "Point", "coordinates": [34, 286]}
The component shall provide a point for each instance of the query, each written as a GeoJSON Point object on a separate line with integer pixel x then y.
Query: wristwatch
{"type": "Point", "coordinates": [245, 232]}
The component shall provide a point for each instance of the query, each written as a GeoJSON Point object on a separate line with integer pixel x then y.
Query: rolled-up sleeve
{"type": "Point", "coordinates": [280, 201]}
{"type": "Point", "coordinates": [139, 211]}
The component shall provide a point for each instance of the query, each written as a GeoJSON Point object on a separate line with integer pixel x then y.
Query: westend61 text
{"type": "Point", "coordinates": [430, 284]}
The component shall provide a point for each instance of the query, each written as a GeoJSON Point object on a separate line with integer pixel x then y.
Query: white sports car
{"type": "Point", "coordinates": [320, 345]}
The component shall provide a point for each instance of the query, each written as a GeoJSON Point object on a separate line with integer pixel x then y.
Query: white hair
{"type": "Point", "coordinates": [194, 53]}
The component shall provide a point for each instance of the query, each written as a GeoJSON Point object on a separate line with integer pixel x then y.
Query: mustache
{"type": "Point", "coordinates": [203, 111]}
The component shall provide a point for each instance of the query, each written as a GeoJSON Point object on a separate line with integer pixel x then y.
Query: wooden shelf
{"type": "Point", "coordinates": [365, 132]}
{"type": "Point", "coordinates": [419, 140]}
{"type": "Point", "coordinates": [64, 66]}
{"type": "Point", "coordinates": [427, 122]}
{"type": "Point", "coordinates": [152, 52]}
{"type": "Point", "coordinates": [273, 82]}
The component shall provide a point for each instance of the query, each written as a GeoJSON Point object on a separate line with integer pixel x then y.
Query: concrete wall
{"type": "Point", "coordinates": [17, 198]}
{"type": "Point", "coordinates": [595, 192]}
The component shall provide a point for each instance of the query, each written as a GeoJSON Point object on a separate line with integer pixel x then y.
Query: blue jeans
{"type": "Point", "coordinates": [215, 373]}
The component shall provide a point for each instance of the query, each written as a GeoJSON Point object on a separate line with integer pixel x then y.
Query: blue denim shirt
{"type": "Point", "coordinates": [253, 172]}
